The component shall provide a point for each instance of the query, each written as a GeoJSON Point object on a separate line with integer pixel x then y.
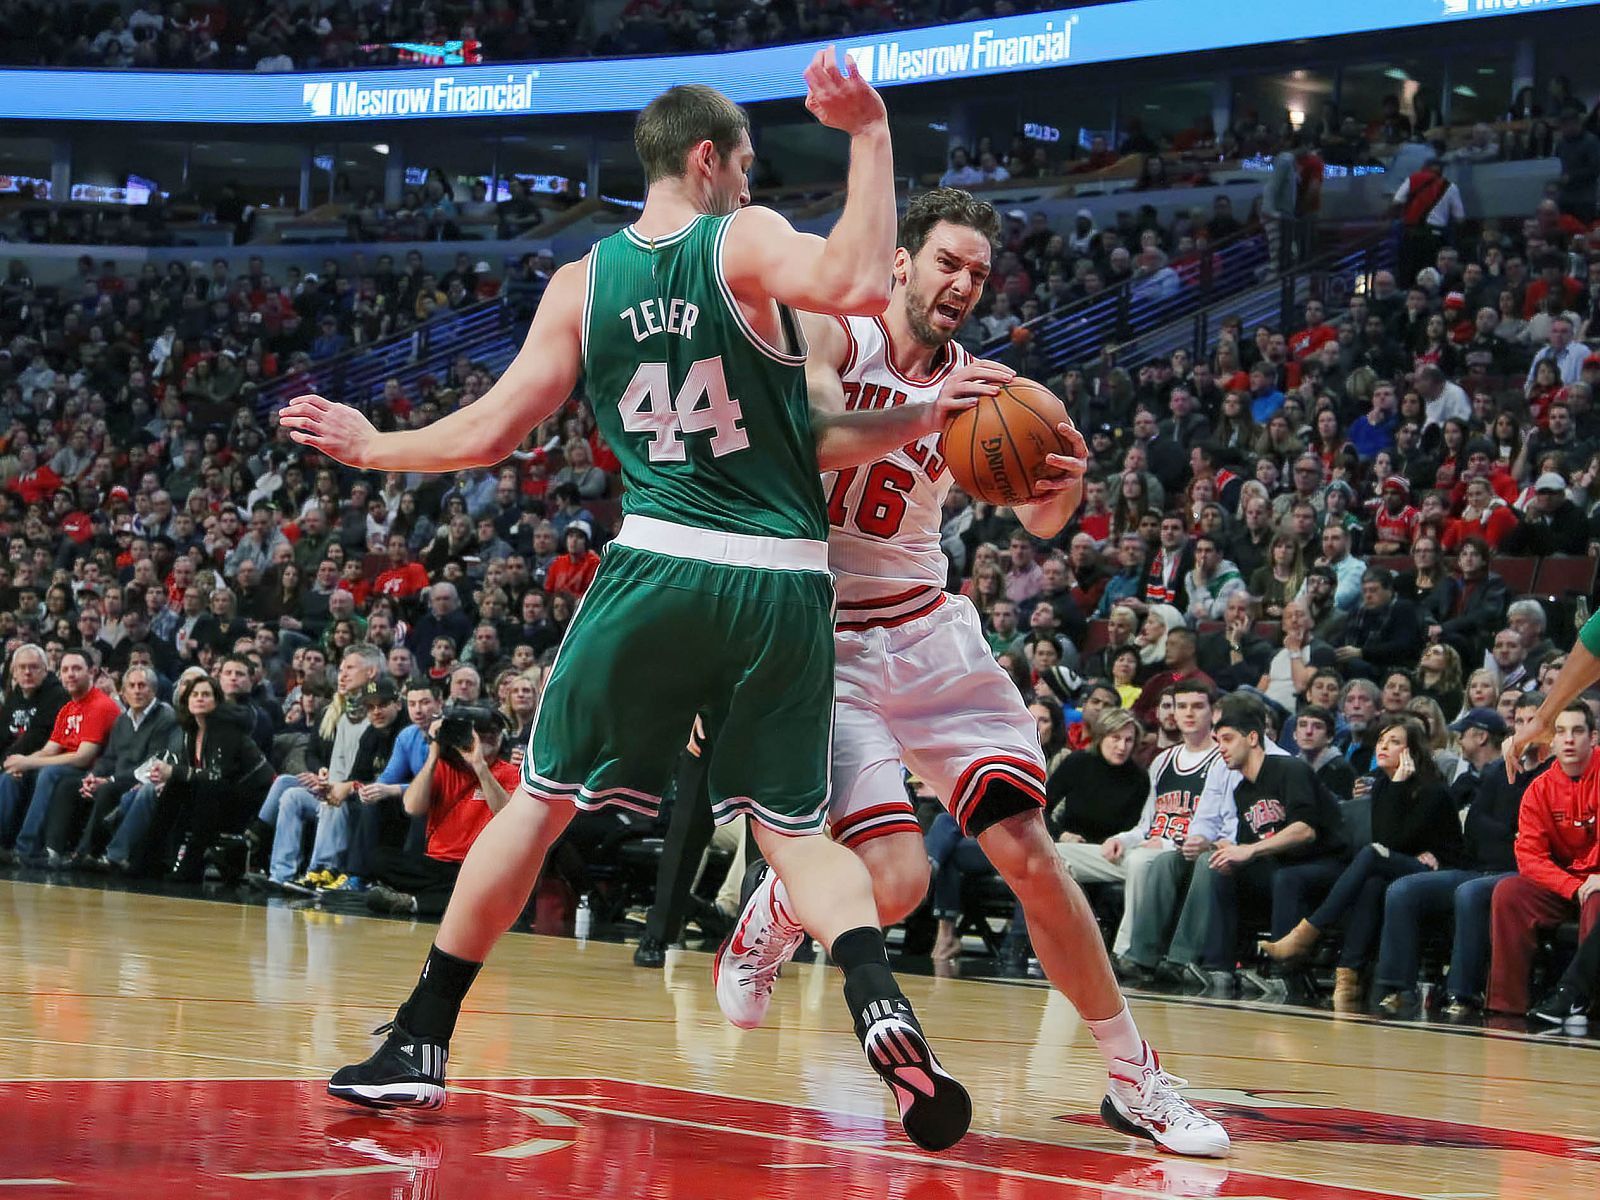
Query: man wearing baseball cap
{"type": "Point", "coordinates": [1481, 730]}
{"type": "Point", "coordinates": [1551, 524]}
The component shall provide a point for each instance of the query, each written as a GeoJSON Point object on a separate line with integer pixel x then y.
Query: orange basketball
{"type": "Point", "coordinates": [996, 449]}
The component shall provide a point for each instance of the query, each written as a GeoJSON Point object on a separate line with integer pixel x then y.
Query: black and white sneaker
{"type": "Point", "coordinates": [1563, 1010]}
{"type": "Point", "coordinates": [405, 1072]}
{"type": "Point", "coordinates": [934, 1109]}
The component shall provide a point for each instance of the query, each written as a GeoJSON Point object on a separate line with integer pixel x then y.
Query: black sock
{"type": "Point", "coordinates": [861, 956]}
{"type": "Point", "coordinates": [435, 1002]}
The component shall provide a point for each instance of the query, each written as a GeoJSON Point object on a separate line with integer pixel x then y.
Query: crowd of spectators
{"type": "Point", "coordinates": [279, 35]}
{"type": "Point", "coordinates": [1319, 520]}
{"type": "Point", "coordinates": [1186, 157]}
{"type": "Point", "coordinates": [1316, 519]}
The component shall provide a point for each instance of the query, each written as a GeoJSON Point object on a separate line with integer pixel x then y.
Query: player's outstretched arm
{"type": "Point", "coordinates": [848, 272]}
{"type": "Point", "coordinates": [1060, 495]}
{"type": "Point", "coordinates": [534, 386]}
{"type": "Point", "coordinates": [1580, 672]}
{"type": "Point", "coordinates": [848, 439]}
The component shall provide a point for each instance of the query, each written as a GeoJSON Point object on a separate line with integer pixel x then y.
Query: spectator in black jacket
{"type": "Point", "coordinates": [1383, 632]}
{"type": "Point", "coordinates": [1414, 829]}
{"type": "Point", "coordinates": [1235, 656]}
{"type": "Point", "coordinates": [1469, 604]}
{"type": "Point", "coordinates": [28, 711]}
{"type": "Point", "coordinates": [1552, 524]}
{"type": "Point", "coordinates": [220, 776]}
{"type": "Point", "coordinates": [1415, 902]}
{"type": "Point", "coordinates": [145, 729]}
{"type": "Point", "coordinates": [234, 675]}
{"type": "Point", "coordinates": [444, 619]}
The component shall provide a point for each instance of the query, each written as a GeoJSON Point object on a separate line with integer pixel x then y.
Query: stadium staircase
{"type": "Point", "coordinates": [487, 333]}
{"type": "Point", "coordinates": [1235, 277]}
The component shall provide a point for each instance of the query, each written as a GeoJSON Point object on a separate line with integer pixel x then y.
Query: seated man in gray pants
{"type": "Point", "coordinates": [1280, 814]}
{"type": "Point", "coordinates": [1177, 780]}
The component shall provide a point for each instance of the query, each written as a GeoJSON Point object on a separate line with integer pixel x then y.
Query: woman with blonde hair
{"type": "Point", "coordinates": [988, 587]}
{"type": "Point", "coordinates": [1483, 689]}
{"type": "Point", "coordinates": [1440, 740]}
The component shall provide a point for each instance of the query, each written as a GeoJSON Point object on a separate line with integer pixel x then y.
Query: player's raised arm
{"type": "Point", "coordinates": [537, 383]}
{"type": "Point", "coordinates": [848, 439]}
{"type": "Point", "coordinates": [848, 272]}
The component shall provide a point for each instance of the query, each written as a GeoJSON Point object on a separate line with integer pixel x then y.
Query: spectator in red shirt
{"type": "Point", "coordinates": [404, 576]}
{"type": "Point", "coordinates": [1483, 515]}
{"type": "Point", "coordinates": [1181, 664]}
{"type": "Point", "coordinates": [458, 791]}
{"type": "Point", "coordinates": [33, 484]}
{"type": "Point", "coordinates": [574, 571]}
{"type": "Point", "coordinates": [1553, 281]}
{"type": "Point", "coordinates": [1316, 333]}
{"type": "Point", "coordinates": [80, 731]}
{"type": "Point", "coordinates": [1558, 860]}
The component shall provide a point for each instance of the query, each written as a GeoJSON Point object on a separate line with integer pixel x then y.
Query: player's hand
{"type": "Point", "coordinates": [337, 430]}
{"type": "Point", "coordinates": [1532, 737]}
{"type": "Point", "coordinates": [842, 101]}
{"type": "Point", "coordinates": [1070, 466]}
{"type": "Point", "coordinates": [966, 385]}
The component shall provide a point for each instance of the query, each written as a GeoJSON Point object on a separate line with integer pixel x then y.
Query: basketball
{"type": "Point", "coordinates": [996, 449]}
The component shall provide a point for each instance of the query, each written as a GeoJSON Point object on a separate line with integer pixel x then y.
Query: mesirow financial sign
{"type": "Point", "coordinates": [975, 49]}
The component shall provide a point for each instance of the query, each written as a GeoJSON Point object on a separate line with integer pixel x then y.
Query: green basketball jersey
{"type": "Point", "coordinates": [711, 425]}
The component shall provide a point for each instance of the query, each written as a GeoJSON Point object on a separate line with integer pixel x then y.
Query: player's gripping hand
{"type": "Point", "coordinates": [842, 100]}
{"type": "Point", "coordinates": [964, 387]}
{"type": "Point", "coordinates": [1069, 467]}
{"type": "Point", "coordinates": [339, 431]}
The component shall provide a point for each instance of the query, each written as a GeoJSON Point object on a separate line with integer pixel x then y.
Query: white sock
{"type": "Point", "coordinates": [1118, 1038]}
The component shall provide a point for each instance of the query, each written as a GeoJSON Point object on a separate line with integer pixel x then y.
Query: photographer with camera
{"type": "Point", "coordinates": [464, 781]}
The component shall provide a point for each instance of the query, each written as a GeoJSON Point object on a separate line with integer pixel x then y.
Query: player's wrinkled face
{"type": "Point", "coordinates": [943, 281]}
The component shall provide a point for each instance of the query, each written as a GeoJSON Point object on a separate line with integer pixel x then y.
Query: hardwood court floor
{"type": "Point", "coordinates": [174, 1048]}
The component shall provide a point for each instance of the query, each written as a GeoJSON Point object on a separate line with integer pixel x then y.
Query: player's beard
{"type": "Point", "coordinates": [917, 306]}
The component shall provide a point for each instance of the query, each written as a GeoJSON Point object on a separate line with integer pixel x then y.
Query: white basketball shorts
{"type": "Point", "coordinates": [927, 694]}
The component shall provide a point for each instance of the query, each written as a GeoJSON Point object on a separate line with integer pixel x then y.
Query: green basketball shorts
{"type": "Point", "coordinates": [680, 622]}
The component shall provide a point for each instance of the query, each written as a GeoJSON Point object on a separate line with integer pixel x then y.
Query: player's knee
{"type": "Point", "coordinates": [900, 884]}
{"type": "Point", "coordinates": [1020, 848]}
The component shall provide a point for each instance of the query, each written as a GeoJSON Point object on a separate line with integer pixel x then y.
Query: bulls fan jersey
{"type": "Point", "coordinates": [1177, 779]}
{"type": "Point", "coordinates": [884, 517]}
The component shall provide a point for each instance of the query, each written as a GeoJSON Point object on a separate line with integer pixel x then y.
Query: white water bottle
{"type": "Point", "coordinates": [584, 920]}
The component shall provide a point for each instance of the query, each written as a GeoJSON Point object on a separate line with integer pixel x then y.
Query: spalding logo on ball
{"type": "Point", "coordinates": [996, 449]}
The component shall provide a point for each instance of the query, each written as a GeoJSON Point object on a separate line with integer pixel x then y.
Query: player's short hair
{"type": "Point", "coordinates": [954, 206]}
{"type": "Point", "coordinates": [678, 120]}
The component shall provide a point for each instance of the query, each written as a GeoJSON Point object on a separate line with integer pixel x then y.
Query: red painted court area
{"type": "Point", "coordinates": [559, 1139]}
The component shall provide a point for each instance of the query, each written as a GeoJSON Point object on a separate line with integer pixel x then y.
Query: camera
{"type": "Point", "coordinates": [459, 723]}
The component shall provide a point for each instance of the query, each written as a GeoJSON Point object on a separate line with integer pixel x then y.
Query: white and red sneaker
{"type": "Point", "coordinates": [1143, 1101]}
{"type": "Point", "coordinates": [764, 938]}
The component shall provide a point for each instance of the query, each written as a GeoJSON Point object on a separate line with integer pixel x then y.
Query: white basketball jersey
{"type": "Point", "coordinates": [884, 517]}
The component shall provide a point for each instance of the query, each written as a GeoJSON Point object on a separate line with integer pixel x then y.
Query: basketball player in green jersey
{"type": "Point", "coordinates": [716, 589]}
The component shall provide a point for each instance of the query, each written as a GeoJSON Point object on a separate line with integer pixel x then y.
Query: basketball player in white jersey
{"type": "Point", "coordinates": [916, 683]}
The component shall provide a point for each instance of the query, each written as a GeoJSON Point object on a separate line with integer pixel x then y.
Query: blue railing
{"type": "Point", "coordinates": [1332, 277]}
{"type": "Point", "coordinates": [1078, 331]}
{"type": "Point", "coordinates": [487, 333]}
